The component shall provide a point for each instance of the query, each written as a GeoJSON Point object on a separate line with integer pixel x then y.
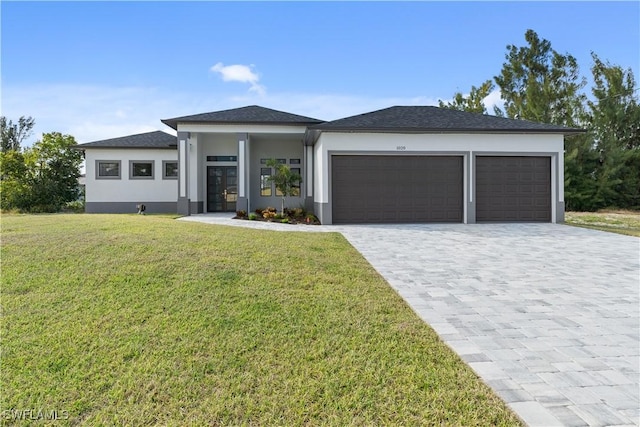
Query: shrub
{"type": "Point", "coordinates": [269, 213]}
{"type": "Point", "coordinates": [253, 216]}
{"type": "Point", "coordinates": [241, 214]}
{"type": "Point", "coordinates": [76, 206]}
{"type": "Point", "coordinates": [285, 220]}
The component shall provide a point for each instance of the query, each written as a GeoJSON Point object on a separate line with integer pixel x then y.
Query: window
{"type": "Point", "coordinates": [265, 184]}
{"type": "Point", "coordinates": [169, 169]}
{"type": "Point", "coordinates": [107, 169]}
{"type": "Point", "coordinates": [295, 191]}
{"type": "Point", "coordinates": [141, 169]}
{"type": "Point", "coordinates": [222, 158]}
{"type": "Point", "coordinates": [281, 161]}
{"type": "Point", "coordinates": [294, 161]}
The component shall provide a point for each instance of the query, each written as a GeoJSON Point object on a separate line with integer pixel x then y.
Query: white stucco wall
{"type": "Point", "coordinates": [126, 189]}
{"type": "Point", "coordinates": [407, 144]}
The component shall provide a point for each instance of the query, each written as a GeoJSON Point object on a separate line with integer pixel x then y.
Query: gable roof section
{"type": "Point", "coordinates": [434, 119]}
{"type": "Point", "coordinates": [253, 114]}
{"type": "Point", "coordinates": [156, 139]}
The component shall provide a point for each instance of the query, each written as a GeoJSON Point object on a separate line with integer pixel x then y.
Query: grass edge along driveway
{"type": "Point", "coordinates": [144, 320]}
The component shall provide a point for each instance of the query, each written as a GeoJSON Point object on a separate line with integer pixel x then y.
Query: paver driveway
{"type": "Point", "coordinates": [548, 315]}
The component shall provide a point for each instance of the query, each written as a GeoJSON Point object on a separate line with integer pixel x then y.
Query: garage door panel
{"type": "Point", "coordinates": [404, 188]}
{"type": "Point", "coordinates": [513, 189]}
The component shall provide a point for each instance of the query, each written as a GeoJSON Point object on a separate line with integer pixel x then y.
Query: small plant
{"type": "Point", "coordinates": [259, 211]}
{"type": "Point", "coordinates": [311, 219]}
{"type": "Point", "coordinates": [241, 214]}
{"type": "Point", "coordinates": [278, 216]}
{"type": "Point", "coordinates": [75, 206]}
{"type": "Point", "coordinates": [285, 220]}
{"type": "Point", "coordinates": [269, 213]}
{"type": "Point", "coordinates": [253, 216]}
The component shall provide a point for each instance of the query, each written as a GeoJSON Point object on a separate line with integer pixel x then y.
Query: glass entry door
{"type": "Point", "coordinates": [222, 188]}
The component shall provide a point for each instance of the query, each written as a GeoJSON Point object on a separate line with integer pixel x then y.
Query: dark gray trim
{"type": "Point", "coordinates": [164, 169]}
{"type": "Point", "coordinates": [119, 162]}
{"type": "Point", "coordinates": [184, 206]}
{"type": "Point", "coordinates": [471, 212]}
{"type": "Point", "coordinates": [323, 212]}
{"type": "Point", "coordinates": [242, 204]}
{"type": "Point", "coordinates": [130, 207]}
{"type": "Point", "coordinates": [560, 212]}
{"type": "Point", "coordinates": [153, 169]}
{"type": "Point", "coordinates": [308, 204]}
{"type": "Point", "coordinates": [197, 207]}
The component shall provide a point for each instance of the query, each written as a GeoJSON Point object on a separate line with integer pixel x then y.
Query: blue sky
{"type": "Point", "coordinates": [99, 70]}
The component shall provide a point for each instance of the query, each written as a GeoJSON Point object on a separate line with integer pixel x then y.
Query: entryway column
{"type": "Point", "coordinates": [184, 200]}
{"type": "Point", "coordinates": [307, 179]}
{"type": "Point", "coordinates": [243, 172]}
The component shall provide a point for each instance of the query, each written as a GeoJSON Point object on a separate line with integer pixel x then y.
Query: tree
{"type": "Point", "coordinates": [473, 102]}
{"type": "Point", "coordinates": [539, 84]}
{"type": "Point", "coordinates": [614, 126]}
{"type": "Point", "coordinates": [43, 178]}
{"type": "Point", "coordinates": [14, 187]}
{"type": "Point", "coordinates": [12, 135]}
{"type": "Point", "coordinates": [287, 182]}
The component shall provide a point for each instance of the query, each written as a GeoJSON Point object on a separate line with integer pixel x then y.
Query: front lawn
{"type": "Point", "coordinates": [144, 320]}
{"type": "Point", "coordinates": [621, 222]}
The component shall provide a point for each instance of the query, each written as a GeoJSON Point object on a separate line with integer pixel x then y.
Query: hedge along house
{"type": "Point", "coordinates": [400, 164]}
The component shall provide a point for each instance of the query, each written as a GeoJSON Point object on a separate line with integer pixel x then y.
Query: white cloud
{"type": "Point", "coordinates": [240, 73]}
{"type": "Point", "coordinates": [492, 100]}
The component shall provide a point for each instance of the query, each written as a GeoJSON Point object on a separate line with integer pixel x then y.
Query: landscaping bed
{"type": "Point", "coordinates": [289, 216]}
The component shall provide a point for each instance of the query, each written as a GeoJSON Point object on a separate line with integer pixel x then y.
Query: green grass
{"type": "Point", "coordinates": [621, 222]}
{"type": "Point", "coordinates": [144, 320]}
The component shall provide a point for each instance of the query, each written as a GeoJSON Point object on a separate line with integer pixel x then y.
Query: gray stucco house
{"type": "Point", "coordinates": [399, 164]}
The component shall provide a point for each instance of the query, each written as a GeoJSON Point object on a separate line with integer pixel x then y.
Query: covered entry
{"type": "Point", "coordinates": [510, 188]}
{"type": "Point", "coordinates": [396, 189]}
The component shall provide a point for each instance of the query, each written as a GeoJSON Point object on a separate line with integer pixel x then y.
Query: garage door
{"type": "Point", "coordinates": [396, 189]}
{"type": "Point", "coordinates": [513, 189]}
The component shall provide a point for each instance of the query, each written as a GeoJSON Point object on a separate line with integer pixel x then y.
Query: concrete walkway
{"type": "Point", "coordinates": [547, 315]}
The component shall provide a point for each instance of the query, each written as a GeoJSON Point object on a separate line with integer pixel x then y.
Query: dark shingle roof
{"type": "Point", "coordinates": [434, 119]}
{"type": "Point", "coordinates": [252, 114]}
{"type": "Point", "coordinates": [157, 139]}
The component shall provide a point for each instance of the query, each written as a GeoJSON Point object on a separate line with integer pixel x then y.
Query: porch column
{"type": "Point", "coordinates": [308, 178]}
{"type": "Point", "coordinates": [243, 172]}
{"type": "Point", "coordinates": [184, 200]}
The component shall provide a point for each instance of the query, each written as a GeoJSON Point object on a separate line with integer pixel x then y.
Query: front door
{"type": "Point", "coordinates": [222, 188]}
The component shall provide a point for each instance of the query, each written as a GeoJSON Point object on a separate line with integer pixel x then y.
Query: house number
{"type": "Point", "coordinates": [401, 147]}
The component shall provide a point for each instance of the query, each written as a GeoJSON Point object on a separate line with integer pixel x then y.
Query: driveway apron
{"type": "Point", "coordinates": [547, 315]}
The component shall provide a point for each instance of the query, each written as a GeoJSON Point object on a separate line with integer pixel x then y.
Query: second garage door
{"type": "Point", "coordinates": [514, 189]}
{"type": "Point", "coordinates": [396, 189]}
